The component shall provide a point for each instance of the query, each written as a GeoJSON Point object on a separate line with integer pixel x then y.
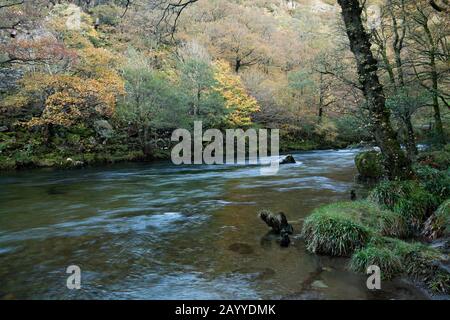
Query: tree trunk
{"type": "Point", "coordinates": [397, 165]}
{"type": "Point", "coordinates": [439, 130]}
{"type": "Point", "coordinates": [237, 65]}
{"type": "Point", "coordinates": [320, 115]}
{"type": "Point", "coordinates": [411, 147]}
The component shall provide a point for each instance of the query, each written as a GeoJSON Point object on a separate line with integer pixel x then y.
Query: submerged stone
{"type": "Point", "coordinates": [319, 284]}
{"type": "Point", "coordinates": [241, 248]}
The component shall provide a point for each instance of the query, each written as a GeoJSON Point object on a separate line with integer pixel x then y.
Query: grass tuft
{"type": "Point", "coordinates": [388, 262]}
{"type": "Point", "coordinates": [408, 199]}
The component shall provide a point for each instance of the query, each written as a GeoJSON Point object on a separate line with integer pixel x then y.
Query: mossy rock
{"type": "Point", "coordinates": [369, 165]}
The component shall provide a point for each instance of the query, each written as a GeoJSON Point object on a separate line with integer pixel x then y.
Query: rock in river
{"type": "Point", "coordinates": [287, 159]}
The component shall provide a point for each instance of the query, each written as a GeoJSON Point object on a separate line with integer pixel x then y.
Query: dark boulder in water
{"type": "Point", "coordinates": [289, 159]}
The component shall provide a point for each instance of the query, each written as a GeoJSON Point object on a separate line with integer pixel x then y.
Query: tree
{"type": "Point", "coordinates": [430, 56]}
{"type": "Point", "coordinates": [86, 93]}
{"type": "Point", "coordinates": [239, 103]}
{"type": "Point", "coordinates": [404, 103]}
{"type": "Point", "coordinates": [391, 36]}
{"type": "Point", "coordinates": [152, 103]}
{"type": "Point", "coordinates": [397, 164]}
{"type": "Point", "coordinates": [239, 40]}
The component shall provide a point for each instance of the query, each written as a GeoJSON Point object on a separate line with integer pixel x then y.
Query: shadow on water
{"type": "Point", "coordinates": [158, 231]}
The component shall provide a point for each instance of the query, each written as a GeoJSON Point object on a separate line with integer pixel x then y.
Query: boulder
{"type": "Point", "coordinates": [103, 129]}
{"type": "Point", "coordinates": [287, 160]}
{"type": "Point", "coordinates": [369, 165]}
{"type": "Point", "coordinates": [3, 129]}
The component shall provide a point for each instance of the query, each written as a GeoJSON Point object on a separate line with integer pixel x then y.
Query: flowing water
{"type": "Point", "coordinates": [159, 231]}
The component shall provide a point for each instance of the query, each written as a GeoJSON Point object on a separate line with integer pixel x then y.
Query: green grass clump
{"type": "Point", "coordinates": [440, 283]}
{"type": "Point", "coordinates": [396, 257]}
{"type": "Point", "coordinates": [341, 228]}
{"type": "Point", "coordinates": [434, 181]}
{"type": "Point", "coordinates": [406, 198]}
{"type": "Point", "coordinates": [442, 221]}
{"type": "Point", "coordinates": [420, 262]}
{"type": "Point", "coordinates": [390, 264]}
{"type": "Point", "coordinates": [388, 193]}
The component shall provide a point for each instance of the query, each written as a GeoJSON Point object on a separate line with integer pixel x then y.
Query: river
{"type": "Point", "coordinates": [159, 231]}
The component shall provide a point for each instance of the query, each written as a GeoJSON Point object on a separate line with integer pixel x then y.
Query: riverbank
{"type": "Point", "coordinates": [403, 227]}
{"type": "Point", "coordinates": [19, 151]}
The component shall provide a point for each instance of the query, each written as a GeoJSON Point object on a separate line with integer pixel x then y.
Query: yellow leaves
{"type": "Point", "coordinates": [88, 87]}
{"type": "Point", "coordinates": [327, 130]}
{"type": "Point", "coordinates": [69, 98]}
{"type": "Point", "coordinates": [241, 104]}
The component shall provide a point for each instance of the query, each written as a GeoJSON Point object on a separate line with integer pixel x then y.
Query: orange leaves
{"type": "Point", "coordinates": [44, 49]}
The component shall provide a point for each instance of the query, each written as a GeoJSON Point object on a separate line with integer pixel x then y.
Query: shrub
{"type": "Point", "coordinates": [436, 159]}
{"type": "Point", "coordinates": [434, 181]}
{"type": "Point", "coordinates": [107, 14]}
{"type": "Point", "coordinates": [351, 129]}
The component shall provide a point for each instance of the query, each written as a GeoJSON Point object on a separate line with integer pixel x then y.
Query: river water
{"type": "Point", "coordinates": [159, 231]}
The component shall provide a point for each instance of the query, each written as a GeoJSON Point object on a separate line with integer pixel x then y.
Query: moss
{"type": "Point", "coordinates": [369, 165]}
